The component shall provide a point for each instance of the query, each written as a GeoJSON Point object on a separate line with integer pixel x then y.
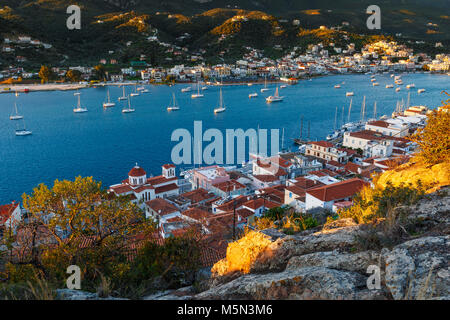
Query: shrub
{"type": "Point", "coordinates": [370, 204]}
{"type": "Point", "coordinates": [434, 138]}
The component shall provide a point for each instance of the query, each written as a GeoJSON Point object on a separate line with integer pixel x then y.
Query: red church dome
{"type": "Point", "coordinates": [137, 172]}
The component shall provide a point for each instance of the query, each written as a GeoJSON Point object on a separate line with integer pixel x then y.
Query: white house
{"type": "Point", "coordinates": [10, 217]}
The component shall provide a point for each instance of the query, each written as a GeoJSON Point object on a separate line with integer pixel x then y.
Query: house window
{"type": "Point", "coordinates": [290, 194]}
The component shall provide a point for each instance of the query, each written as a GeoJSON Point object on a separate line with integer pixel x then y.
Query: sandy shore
{"type": "Point", "coordinates": [40, 87]}
{"type": "Point", "coordinates": [70, 86]}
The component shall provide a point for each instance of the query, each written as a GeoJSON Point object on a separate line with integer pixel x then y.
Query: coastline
{"type": "Point", "coordinates": [36, 87]}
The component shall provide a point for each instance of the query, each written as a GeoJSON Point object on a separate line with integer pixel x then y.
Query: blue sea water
{"type": "Point", "coordinates": [105, 144]}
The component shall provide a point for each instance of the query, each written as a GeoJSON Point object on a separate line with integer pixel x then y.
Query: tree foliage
{"type": "Point", "coordinates": [45, 74]}
{"type": "Point", "coordinates": [434, 138]}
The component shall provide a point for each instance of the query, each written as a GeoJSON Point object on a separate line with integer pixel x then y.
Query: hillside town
{"type": "Point", "coordinates": [315, 60]}
{"type": "Point", "coordinates": [320, 178]}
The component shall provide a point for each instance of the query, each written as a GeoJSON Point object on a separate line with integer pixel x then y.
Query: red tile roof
{"type": "Point", "coordinates": [197, 214]}
{"type": "Point", "coordinates": [324, 144]}
{"type": "Point", "coordinates": [352, 167]}
{"type": "Point", "coordinates": [228, 186]}
{"type": "Point", "coordinates": [166, 188]}
{"type": "Point", "coordinates": [137, 172]}
{"type": "Point", "coordinates": [379, 123]}
{"type": "Point", "coordinates": [6, 211]}
{"type": "Point", "coordinates": [161, 206]}
{"type": "Point", "coordinates": [198, 195]}
{"type": "Point", "coordinates": [265, 177]}
{"type": "Point", "coordinates": [337, 191]}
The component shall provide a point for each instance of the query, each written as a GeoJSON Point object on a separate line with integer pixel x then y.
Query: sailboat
{"type": "Point", "coordinates": [253, 95]}
{"type": "Point", "coordinates": [108, 104]}
{"type": "Point", "coordinates": [274, 98]}
{"type": "Point", "coordinates": [129, 109]}
{"type": "Point", "coordinates": [23, 131]}
{"type": "Point", "coordinates": [16, 115]}
{"type": "Point", "coordinates": [335, 133]}
{"type": "Point", "coordinates": [135, 93]}
{"type": "Point", "coordinates": [198, 94]}
{"type": "Point", "coordinates": [265, 85]}
{"type": "Point", "coordinates": [173, 106]}
{"type": "Point", "coordinates": [123, 97]}
{"type": "Point", "coordinates": [187, 89]}
{"type": "Point", "coordinates": [221, 107]}
{"type": "Point", "coordinates": [79, 109]}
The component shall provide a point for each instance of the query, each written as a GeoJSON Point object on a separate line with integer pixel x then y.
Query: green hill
{"type": "Point", "coordinates": [108, 25]}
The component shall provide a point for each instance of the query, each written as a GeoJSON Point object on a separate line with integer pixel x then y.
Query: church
{"type": "Point", "coordinates": [141, 188]}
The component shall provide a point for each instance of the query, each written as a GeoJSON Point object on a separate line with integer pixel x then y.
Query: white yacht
{"type": "Point", "coordinates": [124, 96]}
{"type": "Point", "coordinates": [16, 115]}
{"type": "Point", "coordinates": [79, 108]}
{"type": "Point", "coordinates": [412, 85]}
{"type": "Point", "coordinates": [221, 107]}
{"type": "Point", "coordinates": [23, 131]}
{"type": "Point", "coordinates": [389, 86]}
{"type": "Point", "coordinates": [135, 93]}
{"type": "Point", "coordinates": [337, 86]}
{"type": "Point", "coordinates": [283, 86]}
{"type": "Point", "coordinates": [420, 90]}
{"type": "Point", "coordinates": [174, 106]}
{"type": "Point", "coordinates": [349, 94]}
{"type": "Point", "coordinates": [187, 89]}
{"type": "Point", "coordinates": [275, 98]}
{"type": "Point", "coordinates": [205, 88]}
{"type": "Point", "coordinates": [253, 95]}
{"type": "Point", "coordinates": [108, 103]}
{"type": "Point", "coordinates": [375, 84]}
{"type": "Point", "coordinates": [128, 109]}
{"type": "Point", "coordinates": [265, 85]}
{"type": "Point", "coordinates": [397, 89]}
{"type": "Point", "coordinates": [198, 94]}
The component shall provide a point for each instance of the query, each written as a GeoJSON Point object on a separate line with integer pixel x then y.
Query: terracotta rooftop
{"type": "Point", "coordinates": [337, 191]}
{"type": "Point", "coordinates": [324, 144]}
{"type": "Point", "coordinates": [161, 206]}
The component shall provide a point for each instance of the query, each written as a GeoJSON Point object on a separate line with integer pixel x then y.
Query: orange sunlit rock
{"type": "Point", "coordinates": [242, 253]}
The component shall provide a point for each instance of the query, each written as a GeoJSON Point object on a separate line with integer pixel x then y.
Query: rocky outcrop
{"type": "Point", "coordinates": [298, 283]}
{"type": "Point", "coordinates": [68, 294]}
{"type": "Point", "coordinates": [331, 264]}
{"type": "Point", "coordinates": [280, 251]}
{"type": "Point", "coordinates": [418, 269]}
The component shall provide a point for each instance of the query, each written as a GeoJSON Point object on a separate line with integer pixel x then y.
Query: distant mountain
{"type": "Point", "coordinates": [108, 25]}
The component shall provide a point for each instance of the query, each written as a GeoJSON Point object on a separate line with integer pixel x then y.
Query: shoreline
{"type": "Point", "coordinates": [37, 87]}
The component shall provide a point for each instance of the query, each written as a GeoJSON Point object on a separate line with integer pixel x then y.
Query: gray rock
{"type": "Point", "coordinates": [354, 262]}
{"type": "Point", "coordinates": [280, 251]}
{"type": "Point", "coordinates": [303, 283]}
{"type": "Point", "coordinates": [418, 269]}
{"type": "Point", "coordinates": [68, 294]}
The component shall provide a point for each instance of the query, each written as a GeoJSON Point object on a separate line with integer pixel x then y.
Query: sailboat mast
{"type": "Point", "coordinates": [407, 103]}
{"type": "Point", "coordinates": [363, 109]}
{"type": "Point", "coordinates": [375, 110]}
{"type": "Point", "coordinates": [343, 112]}
{"type": "Point", "coordinates": [349, 110]}
{"type": "Point", "coordinates": [335, 119]}
{"type": "Point", "coordinates": [301, 127]}
{"type": "Point", "coordinates": [309, 125]}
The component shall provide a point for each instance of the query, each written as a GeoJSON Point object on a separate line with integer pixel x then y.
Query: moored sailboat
{"type": "Point", "coordinates": [108, 103]}
{"type": "Point", "coordinates": [79, 108]}
{"type": "Point", "coordinates": [198, 94]}
{"type": "Point", "coordinates": [275, 98]}
{"type": "Point", "coordinates": [123, 97]}
{"type": "Point", "coordinates": [173, 106]}
{"type": "Point", "coordinates": [221, 107]}
{"type": "Point", "coordinates": [128, 109]}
